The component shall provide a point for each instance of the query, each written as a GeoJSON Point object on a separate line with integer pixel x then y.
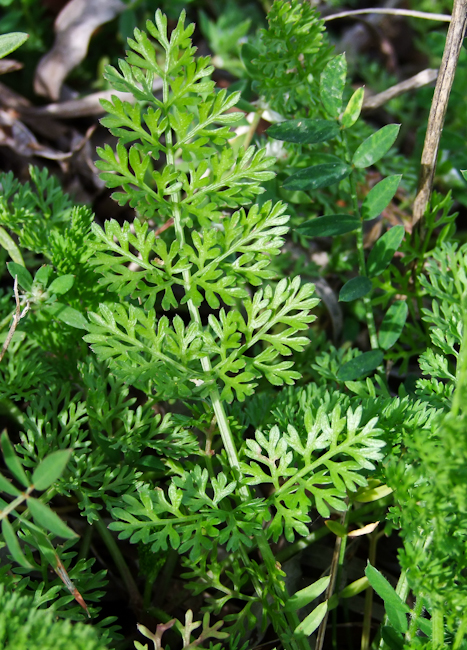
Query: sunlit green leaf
{"type": "Point", "coordinates": [379, 197]}
{"type": "Point", "coordinates": [383, 251]}
{"type": "Point", "coordinates": [62, 284]}
{"type": "Point", "coordinates": [355, 588]}
{"type": "Point", "coordinates": [305, 596]}
{"type": "Point", "coordinates": [10, 42]}
{"type": "Point", "coordinates": [50, 469]}
{"type": "Point", "coordinates": [43, 274]}
{"type": "Point", "coordinates": [396, 609]}
{"type": "Point", "coordinates": [375, 146]}
{"type": "Point", "coordinates": [353, 109]}
{"type": "Point", "coordinates": [335, 527]}
{"type": "Point", "coordinates": [304, 131]}
{"type": "Point", "coordinates": [332, 84]}
{"type": "Point", "coordinates": [12, 249]}
{"type": "Point", "coordinates": [312, 621]}
{"type": "Point", "coordinates": [393, 324]}
{"type": "Point", "coordinates": [355, 288]}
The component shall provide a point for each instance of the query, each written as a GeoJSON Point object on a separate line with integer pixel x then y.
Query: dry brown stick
{"type": "Point", "coordinates": [18, 315]}
{"type": "Point", "coordinates": [419, 80]}
{"type": "Point", "coordinates": [439, 105]}
{"type": "Point", "coordinates": [390, 12]}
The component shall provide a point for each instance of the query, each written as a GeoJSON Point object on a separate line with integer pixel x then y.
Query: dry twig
{"type": "Point", "coordinates": [390, 12]}
{"type": "Point", "coordinates": [439, 105]}
{"type": "Point", "coordinates": [18, 315]}
{"type": "Point", "coordinates": [419, 80]}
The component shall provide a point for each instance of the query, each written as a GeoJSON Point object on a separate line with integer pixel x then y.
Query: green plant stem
{"type": "Point", "coordinates": [218, 407]}
{"type": "Point", "coordinates": [461, 631]}
{"type": "Point", "coordinates": [16, 502]}
{"type": "Point", "coordinates": [369, 316]}
{"type": "Point", "coordinates": [219, 411]}
{"type": "Point", "coordinates": [281, 591]}
{"type": "Point", "coordinates": [85, 543]}
{"type": "Point", "coordinates": [161, 616]}
{"type": "Point", "coordinates": [125, 573]}
{"type": "Point", "coordinates": [413, 626]}
{"type": "Point", "coordinates": [337, 587]}
{"type": "Point", "coordinates": [461, 371]}
{"type": "Point", "coordinates": [165, 576]}
{"type": "Point", "coordinates": [437, 621]}
{"type": "Point", "coordinates": [366, 631]}
{"type": "Point", "coordinates": [337, 561]}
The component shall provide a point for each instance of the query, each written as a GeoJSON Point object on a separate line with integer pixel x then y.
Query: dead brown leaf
{"type": "Point", "coordinates": [74, 26]}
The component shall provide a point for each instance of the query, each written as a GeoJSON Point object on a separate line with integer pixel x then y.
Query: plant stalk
{"type": "Point", "coordinates": [125, 573]}
{"type": "Point", "coordinates": [438, 109]}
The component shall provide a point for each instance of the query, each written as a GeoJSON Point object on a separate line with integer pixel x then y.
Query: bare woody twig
{"type": "Point", "coordinates": [18, 315]}
{"type": "Point", "coordinates": [447, 70]}
{"type": "Point", "coordinates": [419, 80]}
{"type": "Point", "coordinates": [390, 12]}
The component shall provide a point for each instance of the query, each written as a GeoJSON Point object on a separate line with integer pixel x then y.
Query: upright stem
{"type": "Point", "coordinates": [461, 631]}
{"type": "Point", "coordinates": [370, 319]}
{"type": "Point", "coordinates": [221, 417]}
{"type": "Point", "coordinates": [437, 621]}
{"type": "Point", "coordinates": [438, 109]}
{"type": "Point", "coordinates": [279, 622]}
{"type": "Point", "coordinates": [125, 573]}
{"type": "Point", "coordinates": [334, 574]}
{"type": "Point", "coordinates": [413, 626]}
{"type": "Point", "coordinates": [365, 643]}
